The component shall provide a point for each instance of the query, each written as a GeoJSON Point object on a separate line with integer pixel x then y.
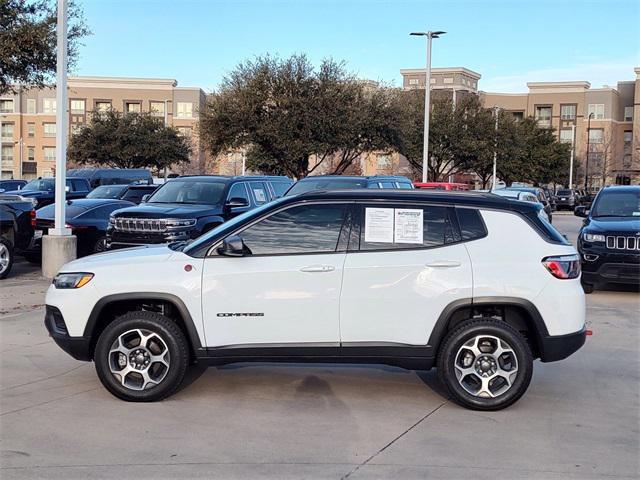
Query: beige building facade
{"type": "Point", "coordinates": [606, 120]}
{"type": "Point", "coordinates": [28, 118]}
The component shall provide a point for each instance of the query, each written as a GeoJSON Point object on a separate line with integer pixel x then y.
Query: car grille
{"type": "Point", "coordinates": [149, 225]}
{"type": "Point", "coordinates": [623, 243]}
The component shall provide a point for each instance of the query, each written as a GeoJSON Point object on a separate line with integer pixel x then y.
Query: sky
{"type": "Point", "coordinates": [509, 42]}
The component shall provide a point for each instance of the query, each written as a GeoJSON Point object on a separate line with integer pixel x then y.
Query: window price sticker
{"type": "Point", "coordinates": [408, 226]}
{"type": "Point", "coordinates": [389, 225]}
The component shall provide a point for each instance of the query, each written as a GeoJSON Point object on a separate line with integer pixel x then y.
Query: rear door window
{"type": "Point", "coordinates": [405, 227]}
{"type": "Point", "coordinates": [471, 223]}
{"type": "Point", "coordinates": [259, 192]}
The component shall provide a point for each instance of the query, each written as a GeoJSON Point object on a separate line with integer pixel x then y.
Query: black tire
{"type": "Point", "coordinates": [587, 287]}
{"type": "Point", "coordinates": [467, 331]}
{"type": "Point", "coordinates": [100, 245]}
{"type": "Point", "coordinates": [6, 258]}
{"type": "Point", "coordinates": [163, 328]}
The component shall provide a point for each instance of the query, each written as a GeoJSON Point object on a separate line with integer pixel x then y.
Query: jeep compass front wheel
{"type": "Point", "coordinates": [141, 357]}
{"type": "Point", "coordinates": [486, 364]}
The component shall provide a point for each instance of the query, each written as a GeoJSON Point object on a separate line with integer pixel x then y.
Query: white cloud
{"type": "Point", "coordinates": [598, 73]}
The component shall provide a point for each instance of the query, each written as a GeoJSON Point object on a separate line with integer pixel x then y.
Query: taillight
{"type": "Point", "coordinates": [563, 266]}
{"type": "Point", "coordinates": [32, 215]}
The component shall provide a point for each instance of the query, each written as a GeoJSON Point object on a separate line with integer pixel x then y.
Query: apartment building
{"type": "Point", "coordinates": [606, 120]}
{"type": "Point", "coordinates": [28, 118]}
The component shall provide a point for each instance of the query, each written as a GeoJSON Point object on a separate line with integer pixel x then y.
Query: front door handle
{"type": "Point", "coordinates": [318, 268]}
{"type": "Point", "coordinates": [444, 264]}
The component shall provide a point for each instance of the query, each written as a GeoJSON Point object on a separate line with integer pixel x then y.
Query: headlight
{"type": "Point", "coordinates": [594, 237]}
{"type": "Point", "coordinates": [72, 280]}
{"type": "Point", "coordinates": [112, 220]}
{"type": "Point", "coordinates": [173, 223]}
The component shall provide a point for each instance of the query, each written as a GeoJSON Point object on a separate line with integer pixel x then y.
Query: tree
{"type": "Point", "coordinates": [28, 41]}
{"type": "Point", "coordinates": [285, 111]}
{"type": "Point", "coordinates": [132, 140]}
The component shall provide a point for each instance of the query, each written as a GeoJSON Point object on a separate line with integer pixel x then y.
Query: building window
{"type": "Point", "coordinates": [31, 106]}
{"type": "Point", "coordinates": [103, 106]}
{"type": "Point", "coordinates": [628, 114]}
{"type": "Point", "coordinates": [433, 80]}
{"type": "Point", "coordinates": [49, 129]}
{"type": "Point", "coordinates": [7, 155]}
{"type": "Point", "coordinates": [543, 116]}
{"type": "Point", "coordinates": [156, 108]}
{"type": "Point", "coordinates": [7, 131]}
{"type": "Point", "coordinates": [518, 116]}
{"type": "Point", "coordinates": [566, 135]}
{"type": "Point", "coordinates": [596, 135]}
{"type": "Point", "coordinates": [31, 130]}
{"type": "Point", "coordinates": [77, 106]}
{"type": "Point", "coordinates": [413, 81]}
{"type": "Point", "coordinates": [49, 154]}
{"type": "Point", "coordinates": [48, 105]}
{"type": "Point", "coordinates": [567, 112]}
{"type": "Point", "coordinates": [184, 132]}
{"type": "Point", "coordinates": [132, 107]}
{"type": "Point", "coordinates": [185, 110]}
{"type": "Point", "coordinates": [383, 162]}
{"type": "Point", "coordinates": [448, 80]}
{"type": "Point", "coordinates": [6, 106]}
{"type": "Point", "coordinates": [31, 154]}
{"type": "Point", "coordinates": [597, 109]}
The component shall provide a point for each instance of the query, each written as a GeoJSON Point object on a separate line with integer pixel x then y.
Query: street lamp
{"type": "Point", "coordinates": [586, 165]}
{"type": "Point", "coordinates": [496, 111]}
{"type": "Point", "coordinates": [427, 97]}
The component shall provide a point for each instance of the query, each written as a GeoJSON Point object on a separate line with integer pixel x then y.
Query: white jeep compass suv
{"type": "Point", "coordinates": [474, 284]}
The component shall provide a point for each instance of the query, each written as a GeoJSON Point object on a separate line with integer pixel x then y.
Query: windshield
{"type": "Point", "coordinates": [189, 191]}
{"type": "Point", "coordinates": [564, 192]}
{"type": "Point", "coordinates": [107, 191]}
{"type": "Point", "coordinates": [327, 184]}
{"type": "Point", "coordinates": [617, 204]}
{"type": "Point", "coordinates": [203, 240]}
{"type": "Point", "coordinates": [40, 185]}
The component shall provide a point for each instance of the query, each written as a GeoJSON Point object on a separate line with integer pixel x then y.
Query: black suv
{"type": "Point", "coordinates": [16, 229]}
{"type": "Point", "coordinates": [344, 182]}
{"type": "Point", "coordinates": [609, 241]}
{"type": "Point", "coordinates": [186, 207]}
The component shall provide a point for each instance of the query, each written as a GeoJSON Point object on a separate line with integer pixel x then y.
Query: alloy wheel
{"type": "Point", "coordinates": [139, 359]}
{"type": "Point", "coordinates": [486, 366]}
{"type": "Point", "coordinates": [5, 257]}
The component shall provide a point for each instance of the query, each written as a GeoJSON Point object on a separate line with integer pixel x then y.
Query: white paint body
{"type": "Point", "coordinates": [392, 296]}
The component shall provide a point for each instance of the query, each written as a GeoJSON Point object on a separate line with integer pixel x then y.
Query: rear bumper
{"type": "Point", "coordinates": [78, 347]}
{"type": "Point", "coordinates": [559, 347]}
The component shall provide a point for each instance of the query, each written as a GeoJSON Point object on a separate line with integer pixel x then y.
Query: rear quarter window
{"type": "Point", "coordinates": [471, 223]}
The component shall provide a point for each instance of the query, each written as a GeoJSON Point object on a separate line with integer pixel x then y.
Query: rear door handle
{"type": "Point", "coordinates": [318, 268]}
{"type": "Point", "coordinates": [444, 264]}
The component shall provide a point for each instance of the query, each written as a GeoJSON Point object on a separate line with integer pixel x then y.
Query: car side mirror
{"type": "Point", "coordinates": [581, 211]}
{"type": "Point", "coordinates": [237, 202]}
{"type": "Point", "coordinates": [145, 198]}
{"type": "Point", "coordinates": [232, 246]}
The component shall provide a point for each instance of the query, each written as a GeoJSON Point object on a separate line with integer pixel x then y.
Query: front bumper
{"type": "Point", "coordinates": [78, 347]}
{"type": "Point", "coordinates": [602, 265]}
{"type": "Point", "coordinates": [559, 347]}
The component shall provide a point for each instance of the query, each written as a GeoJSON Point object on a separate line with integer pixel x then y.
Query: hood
{"type": "Point", "coordinates": [166, 210]}
{"type": "Point", "coordinates": [27, 193]}
{"type": "Point", "coordinates": [629, 225]}
{"type": "Point", "coordinates": [124, 257]}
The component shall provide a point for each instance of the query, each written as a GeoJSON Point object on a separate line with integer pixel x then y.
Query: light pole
{"type": "Point", "coordinates": [59, 246]}
{"type": "Point", "coordinates": [586, 165]}
{"type": "Point", "coordinates": [427, 97]}
{"type": "Point", "coordinates": [496, 111]}
{"type": "Point", "coordinates": [573, 153]}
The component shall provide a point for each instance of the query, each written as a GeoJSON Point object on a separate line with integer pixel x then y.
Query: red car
{"type": "Point", "coordinates": [441, 186]}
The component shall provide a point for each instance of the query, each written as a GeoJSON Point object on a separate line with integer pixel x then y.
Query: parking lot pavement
{"type": "Point", "coordinates": [579, 418]}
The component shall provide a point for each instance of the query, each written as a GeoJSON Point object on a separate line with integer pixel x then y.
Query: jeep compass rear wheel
{"type": "Point", "coordinates": [486, 364]}
{"type": "Point", "coordinates": [141, 357]}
